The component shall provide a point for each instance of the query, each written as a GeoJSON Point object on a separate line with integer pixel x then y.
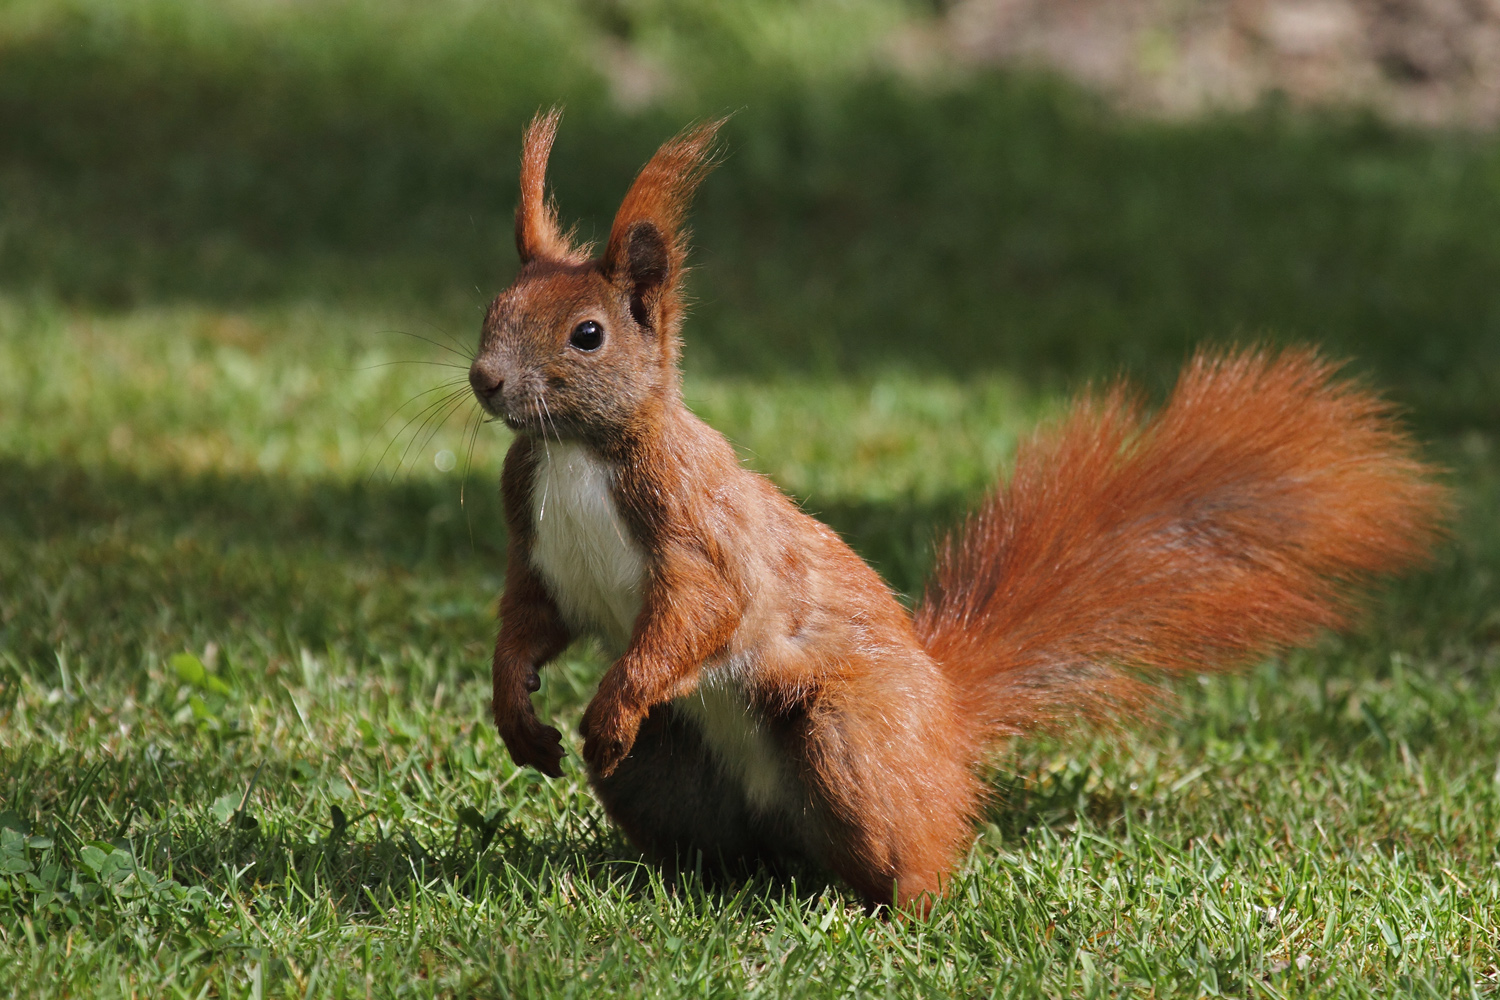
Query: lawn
{"type": "Point", "coordinates": [250, 548]}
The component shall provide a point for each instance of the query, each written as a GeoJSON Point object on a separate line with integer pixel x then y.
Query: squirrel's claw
{"type": "Point", "coordinates": [533, 744]}
{"type": "Point", "coordinates": [608, 736]}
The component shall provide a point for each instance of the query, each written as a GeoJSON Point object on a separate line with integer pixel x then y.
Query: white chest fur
{"type": "Point", "coordinates": [592, 567]}
{"type": "Point", "coordinates": [596, 573]}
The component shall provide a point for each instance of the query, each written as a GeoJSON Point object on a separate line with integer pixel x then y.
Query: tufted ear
{"type": "Point", "coordinates": [647, 244]}
{"type": "Point", "coordinates": [538, 236]}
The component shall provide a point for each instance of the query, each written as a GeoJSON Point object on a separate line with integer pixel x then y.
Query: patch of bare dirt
{"type": "Point", "coordinates": [1429, 61]}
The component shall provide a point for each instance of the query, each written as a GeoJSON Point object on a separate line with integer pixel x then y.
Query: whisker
{"type": "Point", "coordinates": [438, 425]}
{"type": "Point", "coordinates": [542, 508]}
{"type": "Point", "coordinates": [447, 335]}
{"type": "Point", "coordinates": [428, 340]}
{"type": "Point", "coordinates": [386, 422]}
{"type": "Point", "coordinates": [413, 419]}
{"type": "Point", "coordinates": [388, 364]}
{"type": "Point", "coordinates": [464, 482]}
{"type": "Point", "coordinates": [473, 435]}
{"type": "Point", "coordinates": [548, 411]}
{"type": "Point", "coordinates": [425, 415]}
{"type": "Point", "coordinates": [436, 417]}
{"type": "Point", "coordinates": [436, 422]}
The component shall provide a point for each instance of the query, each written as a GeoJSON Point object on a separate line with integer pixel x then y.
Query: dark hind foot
{"type": "Point", "coordinates": [674, 803]}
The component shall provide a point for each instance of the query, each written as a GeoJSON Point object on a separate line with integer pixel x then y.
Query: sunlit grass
{"type": "Point", "coordinates": [317, 393]}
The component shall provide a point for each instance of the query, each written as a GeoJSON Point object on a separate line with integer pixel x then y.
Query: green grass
{"type": "Point", "coordinates": [245, 607]}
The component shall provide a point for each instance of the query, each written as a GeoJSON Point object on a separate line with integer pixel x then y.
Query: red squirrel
{"type": "Point", "coordinates": [771, 698]}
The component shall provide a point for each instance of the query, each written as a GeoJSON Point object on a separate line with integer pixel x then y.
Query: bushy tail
{"type": "Point", "coordinates": [1242, 518]}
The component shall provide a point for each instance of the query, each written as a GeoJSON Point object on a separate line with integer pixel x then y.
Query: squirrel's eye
{"type": "Point", "coordinates": [587, 336]}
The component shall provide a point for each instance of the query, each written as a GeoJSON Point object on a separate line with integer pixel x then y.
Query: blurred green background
{"type": "Point", "coordinates": [248, 153]}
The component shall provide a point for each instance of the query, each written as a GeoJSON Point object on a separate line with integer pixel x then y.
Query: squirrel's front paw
{"type": "Point", "coordinates": [533, 743]}
{"type": "Point", "coordinates": [608, 729]}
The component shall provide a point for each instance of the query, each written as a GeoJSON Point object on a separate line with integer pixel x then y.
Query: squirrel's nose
{"type": "Point", "coordinates": [485, 379]}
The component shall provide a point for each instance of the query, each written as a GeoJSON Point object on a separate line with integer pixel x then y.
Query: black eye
{"type": "Point", "coordinates": [587, 336]}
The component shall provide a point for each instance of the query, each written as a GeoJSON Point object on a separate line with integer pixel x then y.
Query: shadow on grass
{"type": "Point", "coordinates": [104, 561]}
{"type": "Point", "coordinates": [105, 558]}
{"type": "Point", "coordinates": [404, 521]}
{"type": "Point", "coordinates": [100, 556]}
{"type": "Point", "coordinates": [152, 806]}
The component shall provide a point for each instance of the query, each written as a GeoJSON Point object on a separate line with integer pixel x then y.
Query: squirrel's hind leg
{"type": "Point", "coordinates": [674, 803]}
{"type": "Point", "coordinates": [893, 790]}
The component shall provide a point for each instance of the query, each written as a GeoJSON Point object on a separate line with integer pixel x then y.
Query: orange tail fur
{"type": "Point", "coordinates": [1243, 518]}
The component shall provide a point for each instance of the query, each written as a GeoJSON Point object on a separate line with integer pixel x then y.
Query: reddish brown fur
{"type": "Point", "coordinates": [538, 236]}
{"type": "Point", "coordinates": [534, 633]}
{"type": "Point", "coordinates": [772, 698]}
{"type": "Point", "coordinates": [659, 199]}
{"type": "Point", "coordinates": [1238, 521]}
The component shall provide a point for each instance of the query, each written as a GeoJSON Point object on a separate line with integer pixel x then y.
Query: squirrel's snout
{"type": "Point", "coordinates": [487, 382]}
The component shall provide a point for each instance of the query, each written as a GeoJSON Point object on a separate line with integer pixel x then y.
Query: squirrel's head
{"type": "Point", "coordinates": [577, 347]}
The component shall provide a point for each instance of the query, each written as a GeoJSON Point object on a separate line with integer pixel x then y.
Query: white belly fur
{"type": "Point", "coordinates": [596, 573]}
{"type": "Point", "coordinates": [737, 735]}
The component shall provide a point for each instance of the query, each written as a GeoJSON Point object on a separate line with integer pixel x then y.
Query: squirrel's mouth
{"type": "Point", "coordinates": [494, 407]}
{"type": "Point", "coordinates": [525, 420]}
{"type": "Point", "coordinates": [528, 416]}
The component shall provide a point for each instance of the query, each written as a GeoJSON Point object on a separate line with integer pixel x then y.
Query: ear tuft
{"type": "Point", "coordinates": [538, 236]}
{"type": "Point", "coordinates": [647, 244]}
